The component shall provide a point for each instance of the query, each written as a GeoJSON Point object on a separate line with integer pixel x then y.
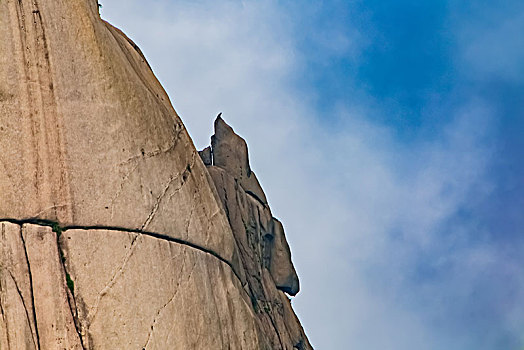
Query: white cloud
{"type": "Point", "coordinates": [361, 209]}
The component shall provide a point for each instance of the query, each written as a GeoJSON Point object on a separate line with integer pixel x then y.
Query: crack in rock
{"type": "Point", "coordinates": [146, 155]}
{"type": "Point", "coordinates": [155, 320]}
{"type": "Point", "coordinates": [28, 319]}
{"type": "Point", "coordinates": [71, 300]}
{"type": "Point", "coordinates": [124, 230]}
{"type": "Point", "coordinates": [143, 156]}
{"type": "Point", "coordinates": [30, 285]}
{"type": "Point", "coordinates": [94, 310]}
{"type": "Point", "coordinates": [187, 280]}
{"type": "Point", "coordinates": [208, 225]}
{"type": "Point", "coordinates": [156, 207]}
{"type": "Point", "coordinates": [193, 207]}
{"type": "Point", "coordinates": [157, 203]}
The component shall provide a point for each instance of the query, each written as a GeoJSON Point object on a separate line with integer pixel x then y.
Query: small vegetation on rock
{"type": "Point", "coordinates": [70, 283]}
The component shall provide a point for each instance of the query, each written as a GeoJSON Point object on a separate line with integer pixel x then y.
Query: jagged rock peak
{"type": "Point", "coordinates": [228, 161]}
{"type": "Point", "coordinates": [230, 153]}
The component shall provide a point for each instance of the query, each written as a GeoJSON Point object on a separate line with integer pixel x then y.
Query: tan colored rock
{"type": "Point", "coordinates": [134, 291]}
{"type": "Point", "coordinates": [230, 153]}
{"type": "Point", "coordinates": [17, 322]}
{"type": "Point", "coordinates": [89, 136]}
{"type": "Point", "coordinates": [263, 248]}
{"type": "Point", "coordinates": [254, 228]}
{"type": "Point", "coordinates": [56, 326]}
{"type": "Point", "coordinates": [130, 290]}
{"type": "Point", "coordinates": [278, 309]}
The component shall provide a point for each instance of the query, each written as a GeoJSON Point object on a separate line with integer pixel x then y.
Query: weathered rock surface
{"type": "Point", "coordinates": [113, 289]}
{"type": "Point", "coordinates": [89, 136]}
{"type": "Point", "coordinates": [33, 291]}
{"type": "Point", "coordinates": [113, 232]}
{"type": "Point", "coordinates": [258, 234]}
{"type": "Point", "coordinates": [17, 323]}
{"type": "Point", "coordinates": [260, 237]}
{"type": "Point", "coordinates": [52, 299]}
{"type": "Point", "coordinates": [188, 299]}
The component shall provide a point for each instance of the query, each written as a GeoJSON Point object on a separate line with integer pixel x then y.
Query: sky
{"type": "Point", "coordinates": [388, 137]}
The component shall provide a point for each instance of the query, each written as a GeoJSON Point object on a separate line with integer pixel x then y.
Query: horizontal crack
{"type": "Point", "coordinates": [156, 235]}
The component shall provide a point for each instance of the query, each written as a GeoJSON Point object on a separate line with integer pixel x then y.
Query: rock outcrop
{"type": "Point", "coordinates": [113, 232]}
{"type": "Point", "coordinates": [263, 248]}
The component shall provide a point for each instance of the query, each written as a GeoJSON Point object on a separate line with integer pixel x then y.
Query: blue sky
{"type": "Point", "coordinates": [388, 136]}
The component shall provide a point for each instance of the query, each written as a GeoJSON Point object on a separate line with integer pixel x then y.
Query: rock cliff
{"type": "Point", "coordinates": [114, 234]}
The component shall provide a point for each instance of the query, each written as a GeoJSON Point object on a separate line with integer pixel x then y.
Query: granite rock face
{"type": "Point", "coordinates": [114, 233]}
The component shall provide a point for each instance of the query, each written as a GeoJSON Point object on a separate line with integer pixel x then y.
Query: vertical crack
{"type": "Point", "coordinates": [23, 304]}
{"type": "Point", "coordinates": [69, 291]}
{"type": "Point", "coordinates": [30, 287]}
{"type": "Point", "coordinates": [276, 331]}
